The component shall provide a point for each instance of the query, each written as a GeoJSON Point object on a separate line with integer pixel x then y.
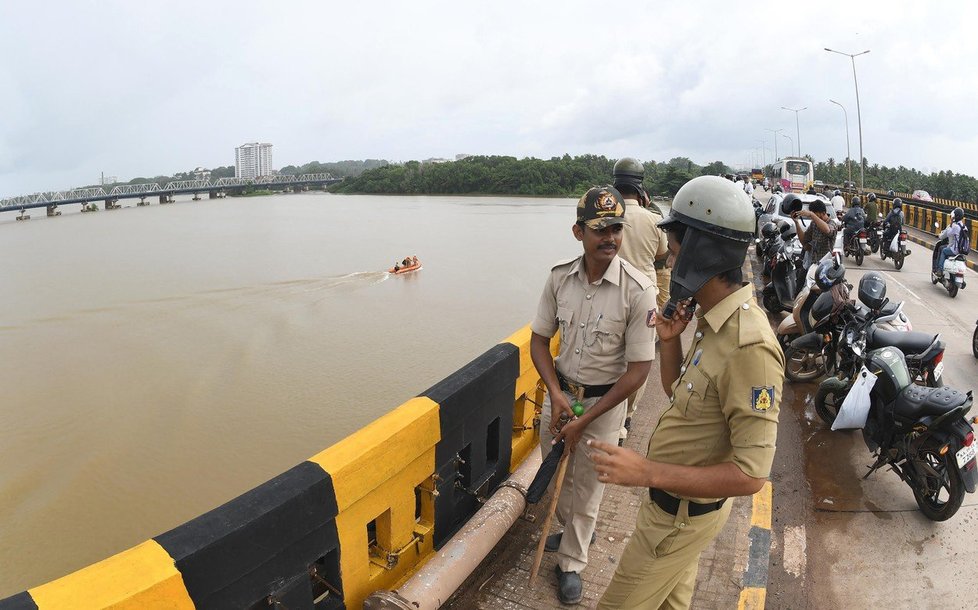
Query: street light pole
{"type": "Point", "coordinates": [848, 154]}
{"type": "Point", "coordinates": [859, 117]}
{"type": "Point", "coordinates": [784, 135]}
{"type": "Point", "coordinates": [775, 132]}
{"type": "Point", "coordinates": [797, 129]}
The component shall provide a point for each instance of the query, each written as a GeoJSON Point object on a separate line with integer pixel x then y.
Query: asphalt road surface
{"type": "Point", "coordinates": [843, 542]}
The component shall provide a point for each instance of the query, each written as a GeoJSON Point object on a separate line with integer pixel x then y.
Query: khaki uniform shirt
{"type": "Point", "coordinates": [725, 402]}
{"type": "Point", "coordinates": [642, 240]}
{"type": "Point", "coordinates": [603, 325]}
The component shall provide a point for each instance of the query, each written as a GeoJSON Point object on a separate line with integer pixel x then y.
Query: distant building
{"type": "Point", "coordinates": [436, 160]}
{"type": "Point", "coordinates": [253, 160]}
{"type": "Point", "coordinates": [202, 173]}
{"type": "Point", "coordinates": [109, 179]}
{"type": "Point", "coordinates": [461, 156]}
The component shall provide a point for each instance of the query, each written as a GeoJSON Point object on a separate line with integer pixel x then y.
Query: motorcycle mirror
{"type": "Point", "coordinates": [936, 226]}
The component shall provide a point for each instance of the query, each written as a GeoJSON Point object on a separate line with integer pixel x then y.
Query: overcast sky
{"type": "Point", "coordinates": [144, 88]}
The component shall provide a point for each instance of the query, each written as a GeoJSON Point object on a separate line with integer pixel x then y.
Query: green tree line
{"type": "Point", "coordinates": [501, 175]}
{"type": "Point", "coordinates": [946, 184]}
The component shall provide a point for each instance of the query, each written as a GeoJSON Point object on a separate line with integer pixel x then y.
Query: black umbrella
{"type": "Point", "coordinates": [545, 474]}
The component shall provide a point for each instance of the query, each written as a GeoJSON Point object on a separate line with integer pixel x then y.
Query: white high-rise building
{"type": "Point", "coordinates": [253, 160]}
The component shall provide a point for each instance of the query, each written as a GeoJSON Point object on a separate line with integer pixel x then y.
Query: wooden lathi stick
{"type": "Point", "coordinates": [561, 469]}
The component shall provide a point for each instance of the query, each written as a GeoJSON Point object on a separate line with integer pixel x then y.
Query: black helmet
{"type": "Point", "coordinates": [718, 222]}
{"type": "Point", "coordinates": [769, 230]}
{"type": "Point", "coordinates": [829, 273]}
{"type": "Point", "coordinates": [836, 193]}
{"type": "Point", "coordinates": [855, 200]}
{"type": "Point", "coordinates": [957, 214]}
{"type": "Point", "coordinates": [897, 203]}
{"type": "Point", "coordinates": [872, 290]}
{"type": "Point", "coordinates": [872, 197]}
{"type": "Point", "coordinates": [790, 203]}
{"type": "Point", "coordinates": [629, 172]}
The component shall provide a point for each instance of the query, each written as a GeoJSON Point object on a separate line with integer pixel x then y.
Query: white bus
{"type": "Point", "coordinates": [794, 175]}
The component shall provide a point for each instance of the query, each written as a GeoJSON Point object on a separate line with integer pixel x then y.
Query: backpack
{"type": "Point", "coordinates": [964, 239]}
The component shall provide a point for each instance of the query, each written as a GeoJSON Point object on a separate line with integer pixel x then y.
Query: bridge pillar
{"type": "Point", "coordinates": [53, 210]}
{"type": "Point", "coordinates": [142, 201]}
{"type": "Point", "coordinates": [196, 197]}
{"type": "Point", "coordinates": [112, 204]}
{"type": "Point", "coordinates": [23, 215]}
{"type": "Point", "coordinates": [166, 199]}
{"type": "Point", "coordinates": [212, 194]}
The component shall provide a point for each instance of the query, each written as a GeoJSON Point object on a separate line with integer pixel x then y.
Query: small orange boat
{"type": "Point", "coordinates": [404, 269]}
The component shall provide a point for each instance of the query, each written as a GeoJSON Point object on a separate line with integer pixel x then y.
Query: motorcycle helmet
{"type": "Point", "coordinates": [897, 203]}
{"type": "Point", "coordinates": [769, 230]}
{"type": "Point", "coordinates": [790, 203]}
{"type": "Point", "coordinates": [957, 214]}
{"type": "Point", "coordinates": [872, 290]}
{"type": "Point", "coordinates": [855, 201]}
{"type": "Point", "coordinates": [836, 193]}
{"type": "Point", "coordinates": [890, 192]}
{"type": "Point", "coordinates": [716, 221]}
{"type": "Point", "coordinates": [871, 198]}
{"type": "Point", "coordinates": [828, 274]}
{"type": "Point", "coordinates": [629, 172]}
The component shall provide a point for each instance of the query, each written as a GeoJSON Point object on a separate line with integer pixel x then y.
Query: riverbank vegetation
{"type": "Point", "coordinates": [499, 175]}
{"type": "Point", "coordinates": [946, 184]}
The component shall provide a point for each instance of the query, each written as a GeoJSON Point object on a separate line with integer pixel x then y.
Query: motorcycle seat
{"type": "Point", "coordinates": [910, 343]}
{"type": "Point", "coordinates": [890, 308]}
{"type": "Point", "coordinates": [917, 401]}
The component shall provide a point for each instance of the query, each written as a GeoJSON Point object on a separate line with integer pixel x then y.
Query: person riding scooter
{"type": "Point", "coordinates": [951, 233]}
{"type": "Point", "coordinates": [891, 226]}
{"type": "Point", "coordinates": [853, 222]}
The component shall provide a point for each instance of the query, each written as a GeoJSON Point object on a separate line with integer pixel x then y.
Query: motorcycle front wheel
{"type": "Point", "coordinates": [939, 490]}
{"type": "Point", "coordinates": [803, 364]}
{"type": "Point", "coordinates": [827, 403]}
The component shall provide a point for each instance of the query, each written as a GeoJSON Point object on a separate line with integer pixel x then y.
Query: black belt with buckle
{"type": "Point", "coordinates": [670, 504]}
{"type": "Point", "coordinates": [590, 391]}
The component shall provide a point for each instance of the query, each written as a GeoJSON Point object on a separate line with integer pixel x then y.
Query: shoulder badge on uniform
{"type": "Point", "coordinates": [650, 318]}
{"type": "Point", "coordinates": [762, 398]}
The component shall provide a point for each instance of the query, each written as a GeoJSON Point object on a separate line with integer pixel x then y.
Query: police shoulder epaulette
{"type": "Point", "coordinates": [751, 326]}
{"type": "Point", "coordinates": [565, 262]}
{"type": "Point", "coordinates": [642, 279]}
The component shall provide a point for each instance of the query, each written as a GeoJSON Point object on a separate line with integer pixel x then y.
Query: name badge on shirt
{"type": "Point", "coordinates": [762, 398]}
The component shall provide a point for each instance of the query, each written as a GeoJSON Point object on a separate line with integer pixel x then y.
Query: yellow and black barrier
{"type": "Point", "coordinates": [359, 516]}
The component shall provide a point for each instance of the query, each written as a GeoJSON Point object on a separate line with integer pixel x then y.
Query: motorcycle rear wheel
{"type": "Point", "coordinates": [859, 257]}
{"type": "Point", "coordinates": [771, 302]}
{"type": "Point", "coordinates": [827, 403]}
{"type": "Point", "coordinates": [874, 246]}
{"type": "Point", "coordinates": [802, 364]}
{"type": "Point", "coordinates": [898, 260]}
{"type": "Point", "coordinates": [945, 489]}
{"type": "Point", "coordinates": [952, 289]}
{"type": "Point", "coordinates": [974, 343]}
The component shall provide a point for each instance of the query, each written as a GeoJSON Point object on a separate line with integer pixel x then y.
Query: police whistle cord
{"type": "Point", "coordinates": [561, 470]}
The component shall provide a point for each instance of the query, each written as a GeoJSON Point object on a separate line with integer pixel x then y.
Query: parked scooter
{"type": "Point", "coordinates": [920, 433]}
{"type": "Point", "coordinates": [952, 276]}
{"type": "Point", "coordinates": [787, 277]}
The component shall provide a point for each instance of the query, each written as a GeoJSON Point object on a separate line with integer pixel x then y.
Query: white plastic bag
{"type": "Point", "coordinates": [855, 408]}
{"type": "Point", "coordinates": [895, 243]}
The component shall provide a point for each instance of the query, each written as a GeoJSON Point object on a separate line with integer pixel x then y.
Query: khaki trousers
{"type": "Point", "coordinates": [658, 566]}
{"type": "Point", "coordinates": [580, 496]}
{"type": "Point", "coordinates": [662, 279]}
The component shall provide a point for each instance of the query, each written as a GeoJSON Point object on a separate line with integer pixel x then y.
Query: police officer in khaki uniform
{"type": "Point", "coordinates": [643, 245]}
{"type": "Point", "coordinates": [604, 309]}
{"type": "Point", "coordinates": [717, 438]}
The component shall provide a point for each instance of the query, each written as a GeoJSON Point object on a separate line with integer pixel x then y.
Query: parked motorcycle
{"type": "Point", "coordinates": [974, 341]}
{"type": "Point", "coordinates": [952, 275]}
{"type": "Point", "coordinates": [920, 433]}
{"type": "Point", "coordinates": [902, 250]}
{"type": "Point", "coordinates": [787, 276]}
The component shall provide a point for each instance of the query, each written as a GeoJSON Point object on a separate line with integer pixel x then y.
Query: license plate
{"type": "Point", "coordinates": [938, 370]}
{"type": "Point", "coordinates": [958, 280]}
{"type": "Point", "coordinates": [965, 455]}
{"type": "Point", "coordinates": [862, 240]}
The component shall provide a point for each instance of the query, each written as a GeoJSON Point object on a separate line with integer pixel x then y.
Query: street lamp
{"type": "Point", "coordinates": [784, 135]}
{"type": "Point", "coordinates": [848, 154]}
{"type": "Point", "coordinates": [797, 130]}
{"type": "Point", "coordinates": [775, 132]}
{"type": "Point", "coordinates": [859, 117]}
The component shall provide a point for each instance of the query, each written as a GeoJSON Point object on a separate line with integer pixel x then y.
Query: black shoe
{"type": "Point", "coordinates": [553, 541]}
{"type": "Point", "coordinates": [628, 424]}
{"type": "Point", "coordinates": [621, 442]}
{"type": "Point", "coordinates": [569, 587]}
